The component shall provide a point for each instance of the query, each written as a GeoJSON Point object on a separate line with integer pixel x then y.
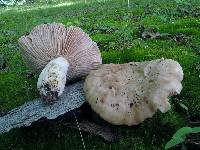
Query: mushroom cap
{"type": "Point", "coordinates": [49, 41]}
{"type": "Point", "coordinates": [126, 94]}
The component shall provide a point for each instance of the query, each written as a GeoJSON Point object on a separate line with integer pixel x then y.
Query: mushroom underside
{"type": "Point", "coordinates": [61, 54]}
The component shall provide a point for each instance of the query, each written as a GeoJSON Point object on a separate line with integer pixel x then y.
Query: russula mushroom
{"type": "Point", "coordinates": [126, 94]}
{"type": "Point", "coordinates": [61, 54]}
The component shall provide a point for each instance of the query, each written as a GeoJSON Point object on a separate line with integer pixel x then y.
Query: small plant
{"type": "Point", "coordinates": [180, 136]}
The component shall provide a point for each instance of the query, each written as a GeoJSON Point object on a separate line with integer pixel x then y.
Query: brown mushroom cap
{"type": "Point", "coordinates": [49, 41]}
{"type": "Point", "coordinates": [126, 94]}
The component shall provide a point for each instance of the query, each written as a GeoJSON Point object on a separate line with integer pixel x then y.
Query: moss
{"type": "Point", "coordinates": [152, 21]}
{"type": "Point", "coordinates": [15, 90]}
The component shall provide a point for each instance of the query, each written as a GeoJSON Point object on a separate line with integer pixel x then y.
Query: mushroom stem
{"type": "Point", "coordinates": [52, 79]}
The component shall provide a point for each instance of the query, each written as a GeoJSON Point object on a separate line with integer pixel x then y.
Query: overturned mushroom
{"type": "Point", "coordinates": [126, 94]}
{"type": "Point", "coordinates": [63, 53]}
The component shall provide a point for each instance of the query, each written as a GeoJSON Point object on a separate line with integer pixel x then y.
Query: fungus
{"type": "Point", "coordinates": [60, 54]}
{"type": "Point", "coordinates": [141, 89]}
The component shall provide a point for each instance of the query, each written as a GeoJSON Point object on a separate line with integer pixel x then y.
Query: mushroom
{"type": "Point", "coordinates": [61, 54]}
{"type": "Point", "coordinates": [127, 94]}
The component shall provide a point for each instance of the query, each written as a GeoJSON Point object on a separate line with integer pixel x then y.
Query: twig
{"type": "Point", "coordinates": [79, 131]}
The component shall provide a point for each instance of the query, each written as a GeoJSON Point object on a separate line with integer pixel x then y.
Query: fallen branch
{"type": "Point", "coordinates": [73, 97]}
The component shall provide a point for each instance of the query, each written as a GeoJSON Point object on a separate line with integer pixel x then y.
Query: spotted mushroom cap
{"type": "Point", "coordinates": [49, 41]}
{"type": "Point", "coordinates": [126, 94]}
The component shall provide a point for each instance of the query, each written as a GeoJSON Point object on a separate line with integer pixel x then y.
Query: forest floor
{"type": "Point", "coordinates": [144, 31]}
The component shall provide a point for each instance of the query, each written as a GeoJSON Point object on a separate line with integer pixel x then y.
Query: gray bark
{"type": "Point", "coordinates": [73, 97]}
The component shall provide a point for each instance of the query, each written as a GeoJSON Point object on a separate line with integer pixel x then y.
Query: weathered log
{"type": "Point", "coordinates": [72, 98]}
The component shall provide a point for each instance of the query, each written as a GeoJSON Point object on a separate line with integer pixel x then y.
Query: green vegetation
{"type": "Point", "coordinates": [180, 136]}
{"type": "Point", "coordinates": [117, 30]}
